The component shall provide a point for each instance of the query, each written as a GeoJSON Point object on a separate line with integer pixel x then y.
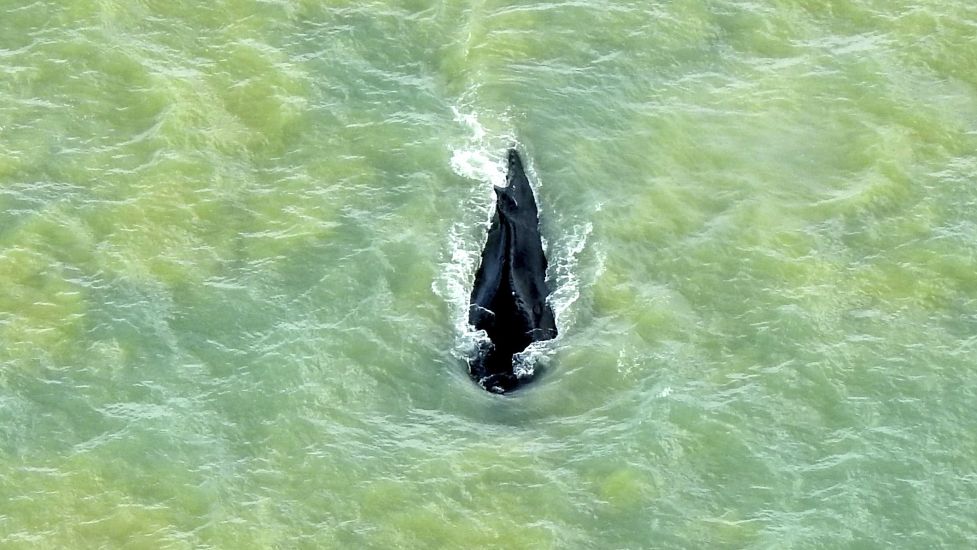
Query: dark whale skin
{"type": "Point", "coordinates": [509, 297]}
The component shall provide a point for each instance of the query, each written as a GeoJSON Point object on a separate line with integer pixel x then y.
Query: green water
{"type": "Point", "coordinates": [236, 243]}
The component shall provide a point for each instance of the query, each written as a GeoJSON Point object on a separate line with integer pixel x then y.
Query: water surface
{"type": "Point", "coordinates": [237, 241]}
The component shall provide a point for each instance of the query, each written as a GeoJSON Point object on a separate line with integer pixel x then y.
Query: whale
{"type": "Point", "coordinates": [509, 296]}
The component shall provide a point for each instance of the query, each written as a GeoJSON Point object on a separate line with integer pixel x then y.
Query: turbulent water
{"type": "Point", "coordinates": [237, 240]}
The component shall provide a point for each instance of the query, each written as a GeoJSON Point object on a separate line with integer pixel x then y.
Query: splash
{"type": "Point", "coordinates": [478, 159]}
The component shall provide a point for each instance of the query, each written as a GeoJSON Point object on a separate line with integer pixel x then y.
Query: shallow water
{"type": "Point", "coordinates": [236, 244]}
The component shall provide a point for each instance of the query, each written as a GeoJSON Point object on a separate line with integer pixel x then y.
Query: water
{"type": "Point", "coordinates": [236, 243]}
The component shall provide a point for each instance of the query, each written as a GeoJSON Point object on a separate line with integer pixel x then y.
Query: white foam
{"type": "Point", "coordinates": [566, 285]}
{"type": "Point", "coordinates": [477, 159]}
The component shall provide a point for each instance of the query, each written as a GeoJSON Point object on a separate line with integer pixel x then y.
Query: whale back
{"type": "Point", "coordinates": [509, 297]}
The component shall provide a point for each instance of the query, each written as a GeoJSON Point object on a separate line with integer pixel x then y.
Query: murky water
{"type": "Point", "coordinates": [237, 241]}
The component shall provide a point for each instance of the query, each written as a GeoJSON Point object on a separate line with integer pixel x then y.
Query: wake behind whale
{"type": "Point", "coordinates": [509, 297]}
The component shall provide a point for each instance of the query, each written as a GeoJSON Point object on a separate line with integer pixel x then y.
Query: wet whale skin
{"type": "Point", "coordinates": [509, 297]}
